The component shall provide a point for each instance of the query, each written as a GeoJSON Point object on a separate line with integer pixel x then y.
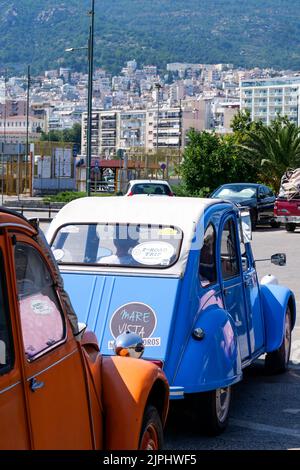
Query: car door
{"type": "Point", "coordinates": [14, 429]}
{"type": "Point", "coordinates": [253, 304]}
{"type": "Point", "coordinates": [55, 388]}
{"type": "Point", "coordinates": [265, 202]}
{"type": "Point", "coordinates": [232, 281]}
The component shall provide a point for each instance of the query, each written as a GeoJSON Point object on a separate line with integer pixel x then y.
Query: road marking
{"type": "Point", "coordinates": [265, 428]}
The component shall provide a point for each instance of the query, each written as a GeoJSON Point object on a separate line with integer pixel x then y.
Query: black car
{"type": "Point", "coordinates": [257, 197]}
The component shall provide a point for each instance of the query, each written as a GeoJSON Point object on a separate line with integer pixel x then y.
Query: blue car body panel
{"type": "Point", "coordinates": [275, 300]}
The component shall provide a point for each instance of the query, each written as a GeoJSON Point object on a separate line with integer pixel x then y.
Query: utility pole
{"type": "Point", "coordinates": [27, 128]}
{"type": "Point", "coordinates": [90, 99]}
{"type": "Point", "coordinates": [158, 87]}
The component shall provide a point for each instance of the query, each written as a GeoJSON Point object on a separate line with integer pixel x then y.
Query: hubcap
{"type": "Point", "coordinates": [222, 403]}
{"type": "Point", "coordinates": [150, 438]}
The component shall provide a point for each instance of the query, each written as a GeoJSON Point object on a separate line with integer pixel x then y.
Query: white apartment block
{"type": "Point", "coordinates": [144, 130]}
{"type": "Point", "coordinates": [265, 99]}
{"type": "Point", "coordinates": [14, 129]}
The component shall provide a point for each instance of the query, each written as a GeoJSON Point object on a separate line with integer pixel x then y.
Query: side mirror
{"type": "Point", "coordinates": [279, 259]}
{"type": "Point", "coordinates": [245, 226]}
{"type": "Point", "coordinates": [129, 345]}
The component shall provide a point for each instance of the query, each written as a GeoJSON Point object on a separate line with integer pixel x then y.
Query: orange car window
{"type": "Point", "coordinates": [41, 318]}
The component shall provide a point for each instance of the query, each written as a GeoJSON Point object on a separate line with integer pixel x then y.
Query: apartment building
{"type": "Point", "coordinates": [13, 129]}
{"type": "Point", "coordinates": [145, 130]}
{"type": "Point", "coordinates": [265, 99]}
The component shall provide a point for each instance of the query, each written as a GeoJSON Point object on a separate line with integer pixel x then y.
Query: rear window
{"type": "Point", "coordinates": [151, 188]}
{"type": "Point", "coordinates": [127, 245]}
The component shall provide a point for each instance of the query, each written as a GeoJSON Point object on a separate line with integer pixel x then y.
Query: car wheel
{"type": "Point", "coordinates": [152, 430]}
{"type": "Point", "coordinates": [211, 411]}
{"type": "Point", "coordinates": [275, 224]}
{"type": "Point", "coordinates": [290, 227]}
{"type": "Point", "coordinates": [277, 361]}
{"type": "Point", "coordinates": [253, 216]}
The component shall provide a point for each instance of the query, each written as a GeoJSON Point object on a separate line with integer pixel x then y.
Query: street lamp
{"type": "Point", "coordinates": [90, 50]}
{"type": "Point", "coordinates": [158, 87]}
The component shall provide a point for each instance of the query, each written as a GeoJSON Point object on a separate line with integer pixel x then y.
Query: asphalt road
{"type": "Point", "coordinates": [265, 412]}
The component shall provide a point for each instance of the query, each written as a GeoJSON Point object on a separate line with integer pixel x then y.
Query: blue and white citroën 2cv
{"type": "Point", "coordinates": [180, 273]}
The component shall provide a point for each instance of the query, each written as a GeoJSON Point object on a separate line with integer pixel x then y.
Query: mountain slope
{"type": "Point", "coordinates": [243, 32]}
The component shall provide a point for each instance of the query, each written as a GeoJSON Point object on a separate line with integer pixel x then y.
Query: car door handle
{"type": "Point", "coordinates": [35, 384]}
{"type": "Point", "coordinates": [226, 291]}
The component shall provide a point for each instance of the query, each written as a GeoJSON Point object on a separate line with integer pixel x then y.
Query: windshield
{"type": "Point", "coordinates": [237, 191]}
{"type": "Point", "coordinates": [117, 245]}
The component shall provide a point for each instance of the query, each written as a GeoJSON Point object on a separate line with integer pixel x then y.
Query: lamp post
{"type": "Point", "coordinates": [90, 50]}
{"type": "Point", "coordinates": [158, 87]}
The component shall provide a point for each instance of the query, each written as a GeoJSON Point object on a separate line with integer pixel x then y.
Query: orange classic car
{"type": "Point", "coordinates": [57, 392]}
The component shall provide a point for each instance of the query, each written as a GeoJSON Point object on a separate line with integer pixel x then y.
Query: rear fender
{"type": "Point", "coordinates": [275, 300]}
{"type": "Point", "coordinates": [128, 386]}
{"type": "Point", "coordinates": [214, 361]}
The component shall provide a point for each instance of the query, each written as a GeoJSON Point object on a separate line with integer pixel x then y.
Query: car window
{"type": "Point", "coordinates": [229, 258]}
{"type": "Point", "coordinates": [207, 265]}
{"type": "Point", "coordinates": [151, 188]}
{"type": "Point", "coordinates": [6, 345]}
{"type": "Point", "coordinates": [41, 317]}
{"type": "Point", "coordinates": [128, 245]}
{"type": "Point", "coordinates": [236, 191]}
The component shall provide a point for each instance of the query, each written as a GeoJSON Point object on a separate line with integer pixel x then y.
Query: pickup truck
{"type": "Point", "coordinates": [58, 392]}
{"type": "Point", "coordinates": [287, 212]}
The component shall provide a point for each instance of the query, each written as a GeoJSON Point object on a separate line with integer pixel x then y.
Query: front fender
{"type": "Point", "coordinates": [275, 300]}
{"type": "Point", "coordinates": [128, 385]}
{"type": "Point", "coordinates": [214, 361]}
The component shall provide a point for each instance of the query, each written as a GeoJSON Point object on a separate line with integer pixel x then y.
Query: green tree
{"type": "Point", "coordinates": [276, 147]}
{"type": "Point", "coordinates": [65, 135]}
{"type": "Point", "coordinates": [210, 161]}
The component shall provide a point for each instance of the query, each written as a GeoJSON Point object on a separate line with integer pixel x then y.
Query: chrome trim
{"type": "Point", "coordinates": [10, 387]}
{"type": "Point", "coordinates": [176, 394]}
{"type": "Point", "coordinates": [52, 365]}
{"type": "Point", "coordinates": [288, 219]}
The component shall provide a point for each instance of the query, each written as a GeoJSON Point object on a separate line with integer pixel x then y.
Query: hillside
{"type": "Point", "coordinates": [243, 32]}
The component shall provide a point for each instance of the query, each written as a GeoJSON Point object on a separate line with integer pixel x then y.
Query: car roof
{"type": "Point", "coordinates": [148, 182]}
{"type": "Point", "coordinates": [255, 185]}
{"type": "Point", "coordinates": [12, 218]}
{"type": "Point", "coordinates": [183, 213]}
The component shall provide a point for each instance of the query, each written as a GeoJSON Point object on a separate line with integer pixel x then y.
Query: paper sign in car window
{"type": "Point", "coordinates": [153, 253]}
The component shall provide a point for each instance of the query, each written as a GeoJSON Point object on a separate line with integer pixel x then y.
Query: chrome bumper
{"type": "Point", "coordinates": [288, 219]}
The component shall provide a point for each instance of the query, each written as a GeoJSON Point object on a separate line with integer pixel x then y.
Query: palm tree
{"type": "Point", "coordinates": [276, 148]}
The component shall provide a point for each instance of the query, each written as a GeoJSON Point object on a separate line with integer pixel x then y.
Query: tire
{"type": "Point", "coordinates": [211, 410]}
{"type": "Point", "coordinates": [253, 216]}
{"type": "Point", "coordinates": [275, 224]}
{"type": "Point", "coordinates": [290, 227]}
{"type": "Point", "coordinates": [277, 361]}
{"type": "Point", "coordinates": [151, 437]}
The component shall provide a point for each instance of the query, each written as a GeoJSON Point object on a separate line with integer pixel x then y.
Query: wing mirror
{"type": "Point", "coordinates": [129, 345]}
{"type": "Point", "coordinates": [245, 226]}
{"type": "Point", "coordinates": [279, 259]}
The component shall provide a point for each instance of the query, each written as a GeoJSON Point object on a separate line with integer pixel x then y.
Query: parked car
{"type": "Point", "coordinates": [287, 205]}
{"type": "Point", "coordinates": [257, 197]}
{"type": "Point", "coordinates": [149, 187]}
{"type": "Point", "coordinates": [179, 272]}
{"type": "Point", "coordinates": [55, 391]}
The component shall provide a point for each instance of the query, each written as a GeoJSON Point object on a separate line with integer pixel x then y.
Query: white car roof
{"type": "Point", "coordinates": [149, 182]}
{"type": "Point", "coordinates": [184, 213]}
